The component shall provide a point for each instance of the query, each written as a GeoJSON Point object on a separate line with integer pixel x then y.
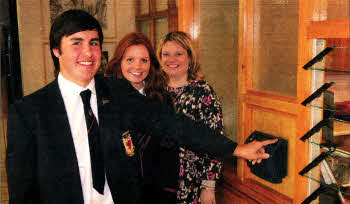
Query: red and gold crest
{"type": "Point", "coordinates": [128, 145]}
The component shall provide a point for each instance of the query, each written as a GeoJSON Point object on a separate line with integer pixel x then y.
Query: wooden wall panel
{"type": "Point", "coordinates": [237, 190]}
{"type": "Point", "coordinates": [280, 126]}
{"type": "Point", "coordinates": [3, 132]}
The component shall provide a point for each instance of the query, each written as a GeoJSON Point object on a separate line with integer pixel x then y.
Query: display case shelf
{"type": "Point", "coordinates": [333, 148]}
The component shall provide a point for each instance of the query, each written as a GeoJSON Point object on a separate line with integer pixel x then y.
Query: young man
{"type": "Point", "coordinates": [70, 145]}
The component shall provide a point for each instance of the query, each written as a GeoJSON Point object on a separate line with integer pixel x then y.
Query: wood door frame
{"type": "Point", "coordinates": [186, 16]}
{"type": "Point", "coordinates": [290, 106]}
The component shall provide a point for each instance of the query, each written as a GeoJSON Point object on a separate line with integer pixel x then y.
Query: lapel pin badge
{"type": "Point", "coordinates": [104, 101]}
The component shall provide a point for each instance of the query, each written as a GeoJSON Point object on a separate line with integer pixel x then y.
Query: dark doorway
{"type": "Point", "coordinates": [10, 55]}
{"type": "Point", "coordinates": [11, 80]}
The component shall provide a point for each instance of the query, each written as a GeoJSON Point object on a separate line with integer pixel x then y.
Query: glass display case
{"type": "Point", "coordinates": [334, 159]}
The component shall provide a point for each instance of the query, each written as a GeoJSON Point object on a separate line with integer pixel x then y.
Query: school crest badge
{"type": "Point", "coordinates": [128, 145]}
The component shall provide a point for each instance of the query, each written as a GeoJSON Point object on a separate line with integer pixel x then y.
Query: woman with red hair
{"type": "Point", "coordinates": [135, 61]}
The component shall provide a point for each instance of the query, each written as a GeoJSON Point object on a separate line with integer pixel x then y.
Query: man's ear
{"type": "Point", "coordinates": [56, 52]}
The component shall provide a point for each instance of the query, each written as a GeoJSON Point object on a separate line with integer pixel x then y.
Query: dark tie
{"type": "Point", "coordinates": [97, 166]}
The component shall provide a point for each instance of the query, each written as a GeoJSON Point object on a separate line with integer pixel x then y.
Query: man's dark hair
{"type": "Point", "coordinates": [68, 23]}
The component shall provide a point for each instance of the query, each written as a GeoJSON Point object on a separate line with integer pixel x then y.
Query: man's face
{"type": "Point", "coordinates": [80, 56]}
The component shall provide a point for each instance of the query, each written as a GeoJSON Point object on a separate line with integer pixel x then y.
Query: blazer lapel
{"type": "Point", "coordinates": [59, 124]}
{"type": "Point", "coordinates": [109, 121]}
{"type": "Point", "coordinates": [61, 144]}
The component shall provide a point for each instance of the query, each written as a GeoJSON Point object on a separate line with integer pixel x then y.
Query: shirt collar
{"type": "Point", "coordinates": [69, 88]}
{"type": "Point", "coordinates": [142, 91]}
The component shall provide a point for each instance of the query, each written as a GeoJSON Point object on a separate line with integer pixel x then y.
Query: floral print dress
{"type": "Point", "coordinates": [197, 101]}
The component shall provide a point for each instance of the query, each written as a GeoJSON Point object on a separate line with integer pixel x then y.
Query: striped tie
{"type": "Point", "coordinates": [97, 165]}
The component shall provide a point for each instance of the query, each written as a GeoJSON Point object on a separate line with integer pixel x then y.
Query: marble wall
{"type": "Point", "coordinates": [218, 44]}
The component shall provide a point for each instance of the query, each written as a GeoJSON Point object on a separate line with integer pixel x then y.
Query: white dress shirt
{"type": "Point", "coordinates": [142, 91]}
{"type": "Point", "coordinates": [75, 110]}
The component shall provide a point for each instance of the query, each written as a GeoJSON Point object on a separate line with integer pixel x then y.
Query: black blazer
{"type": "Point", "coordinates": [41, 162]}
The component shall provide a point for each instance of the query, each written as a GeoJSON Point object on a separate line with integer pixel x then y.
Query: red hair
{"type": "Point", "coordinates": [156, 80]}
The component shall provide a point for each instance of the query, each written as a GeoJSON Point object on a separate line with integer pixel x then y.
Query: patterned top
{"type": "Point", "coordinates": [197, 101]}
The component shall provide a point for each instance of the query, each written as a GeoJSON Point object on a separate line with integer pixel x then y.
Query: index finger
{"type": "Point", "coordinates": [267, 142]}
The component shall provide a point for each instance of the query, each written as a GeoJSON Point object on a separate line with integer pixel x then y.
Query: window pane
{"type": "Point", "coordinates": [275, 52]}
{"type": "Point", "coordinates": [144, 28]}
{"type": "Point", "coordinates": [144, 6]}
{"type": "Point", "coordinates": [161, 5]}
{"type": "Point", "coordinates": [161, 29]}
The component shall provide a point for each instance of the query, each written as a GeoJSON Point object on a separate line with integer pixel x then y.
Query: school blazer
{"type": "Point", "coordinates": [41, 162]}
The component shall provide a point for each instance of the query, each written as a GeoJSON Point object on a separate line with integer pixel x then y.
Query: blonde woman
{"type": "Point", "coordinates": [195, 98]}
